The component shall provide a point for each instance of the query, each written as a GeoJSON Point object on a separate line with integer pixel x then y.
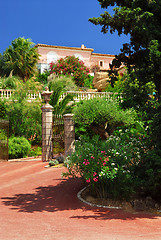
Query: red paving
{"type": "Point", "coordinates": [37, 204]}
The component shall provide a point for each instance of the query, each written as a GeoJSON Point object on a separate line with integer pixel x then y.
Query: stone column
{"type": "Point", "coordinates": [69, 134]}
{"type": "Point", "coordinates": [47, 127]}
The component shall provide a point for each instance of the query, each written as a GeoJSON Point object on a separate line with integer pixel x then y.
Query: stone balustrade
{"type": "Point", "coordinates": [7, 93]}
{"type": "Point", "coordinates": [78, 95]}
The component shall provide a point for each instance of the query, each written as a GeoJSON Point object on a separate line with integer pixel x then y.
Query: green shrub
{"type": "Point", "coordinates": [107, 171]}
{"type": "Point", "coordinates": [118, 86]}
{"type": "Point", "coordinates": [25, 120]}
{"type": "Point", "coordinates": [65, 82]}
{"type": "Point", "coordinates": [25, 117]}
{"type": "Point", "coordinates": [88, 82]}
{"type": "Point", "coordinates": [35, 151]}
{"type": "Point", "coordinates": [156, 126]}
{"type": "Point", "coordinates": [136, 94]}
{"type": "Point", "coordinates": [110, 166]}
{"type": "Point", "coordinates": [9, 82]}
{"type": "Point", "coordinates": [103, 115]}
{"type": "Point", "coordinates": [148, 172]}
{"type": "Point", "coordinates": [43, 77]}
{"type": "Point", "coordinates": [18, 147]}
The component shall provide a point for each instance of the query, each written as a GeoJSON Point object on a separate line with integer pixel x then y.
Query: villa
{"type": "Point", "coordinates": [50, 53]}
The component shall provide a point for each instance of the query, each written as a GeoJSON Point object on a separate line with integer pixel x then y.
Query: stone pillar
{"type": "Point", "coordinates": [47, 127]}
{"type": "Point", "coordinates": [69, 134]}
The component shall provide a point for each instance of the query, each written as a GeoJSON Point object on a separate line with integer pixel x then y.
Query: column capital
{"type": "Point", "coordinates": [47, 106]}
{"type": "Point", "coordinates": [68, 115]}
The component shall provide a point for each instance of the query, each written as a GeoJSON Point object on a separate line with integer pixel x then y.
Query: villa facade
{"type": "Point", "coordinates": [49, 53]}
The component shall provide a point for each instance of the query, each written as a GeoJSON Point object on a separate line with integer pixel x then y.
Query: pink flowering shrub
{"type": "Point", "coordinates": [71, 66]}
{"type": "Point", "coordinates": [109, 167]}
{"type": "Point", "coordinates": [96, 168]}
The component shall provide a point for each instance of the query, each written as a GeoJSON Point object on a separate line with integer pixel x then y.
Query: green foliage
{"type": "Point", "coordinates": [71, 65]}
{"type": "Point", "coordinates": [118, 86]}
{"type": "Point", "coordinates": [108, 166]}
{"type": "Point", "coordinates": [60, 106]}
{"type": "Point", "coordinates": [18, 147]}
{"type": "Point", "coordinates": [3, 134]}
{"type": "Point", "coordinates": [83, 129]}
{"type": "Point", "coordinates": [19, 59]}
{"type": "Point", "coordinates": [141, 20]}
{"type": "Point", "coordinates": [53, 163]}
{"type": "Point", "coordinates": [25, 89]}
{"type": "Point", "coordinates": [25, 120]}
{"type": "Point", "coordinates": [9, 82]}
{"type": "Point", "coordinates": [148, 173]}
{"type": "Point", "coordinates": [64, 82]}
{"type": "Point", "coordinates": [35, 151]}
{"type": "Point", "coordinates": [103, 115]}
{"type": "Point", "coordinates": [43, 77]}
{"type": "Point", "coordinates": [88, 83]}
{"type": "Point", "coordinates": [136, 94]}
{"type": "Point", "coordinates": [156, 126]}
{"type": "Point", "coordinates": [25, 117]}
{"type": "Point", "coordinates": [3, 110]}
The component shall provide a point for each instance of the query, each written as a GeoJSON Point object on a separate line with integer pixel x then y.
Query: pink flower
{"type": "Point", "coordinates": [95, 179]}
{"type": "Point", "coordinates": [88, 180]}
{"type": "Point", "coordinates": [104, 163]}
{"type": "Point", "coordinates": [92, 157]}
{"type": "Point", "coordinates": [94, 174]}
{"type": "Point", "coordinates": [107, 159]}
{"type": "Point", "coordinates": [103, 152]}
{"type": "Point", "coordinates": [86, 162]}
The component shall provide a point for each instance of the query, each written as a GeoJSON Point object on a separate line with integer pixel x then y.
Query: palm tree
{"type": "Point", "coordinates": [63, 106]}
{"type": "Point", "coordinates": [21, 58]}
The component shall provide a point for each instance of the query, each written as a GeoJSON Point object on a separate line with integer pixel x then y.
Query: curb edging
{"type": "Point", "coordinates": [92, 204]}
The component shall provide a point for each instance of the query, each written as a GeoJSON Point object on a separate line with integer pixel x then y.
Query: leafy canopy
{"type": "Point", "coordinates": [20, 59]}
{"type": "Point", "coordinates": [141, 19]}
{"type": "Point", "coordinates": [103, 115]}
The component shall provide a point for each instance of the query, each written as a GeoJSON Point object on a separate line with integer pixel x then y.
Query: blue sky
{"type": "Point", "coordinates": [56, 22]}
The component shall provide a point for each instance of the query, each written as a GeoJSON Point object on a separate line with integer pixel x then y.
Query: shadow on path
{"type": "Point", "coordinates": [63, 197]}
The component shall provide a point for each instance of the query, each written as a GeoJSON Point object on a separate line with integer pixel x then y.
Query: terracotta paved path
{"type": "Point", "coordinates": [36, 204]}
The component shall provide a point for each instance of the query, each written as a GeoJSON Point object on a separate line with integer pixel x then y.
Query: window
{"type": "Point", "coordinates": [52, 57]}
{"type": "Point", "coordinates": [101, 63]}
{"type": "Point", "coordinates": [77, 55]}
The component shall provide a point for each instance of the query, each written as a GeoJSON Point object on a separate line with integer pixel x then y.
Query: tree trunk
{"type": "Point", "coordinates": [11, 73]}
{"type": "Point", "coordinates": [100, 130]}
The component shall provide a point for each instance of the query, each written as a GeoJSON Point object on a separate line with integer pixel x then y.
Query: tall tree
{"type": "Point", "coordinates": [19, 59]}
{"type": "Point", "coordinates": [141, 19]}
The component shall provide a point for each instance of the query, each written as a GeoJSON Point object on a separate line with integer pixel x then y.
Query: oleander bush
{"type": "Point", "coordinates": [108, 166]}
{"type": "Point", "coordinates": [71, 66]}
